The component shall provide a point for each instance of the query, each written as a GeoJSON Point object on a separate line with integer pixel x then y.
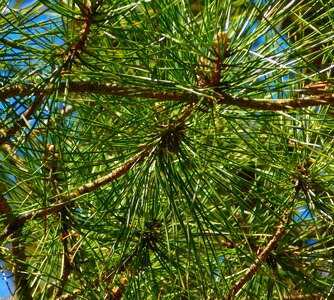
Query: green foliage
{"type": "Point", "coordinates": [165, 181]}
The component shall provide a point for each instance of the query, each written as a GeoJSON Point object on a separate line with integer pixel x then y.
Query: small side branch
{"type": "Point", "coordinates": [261, 258]}
{"type": "Point", "coordinates": [6, 135]}
{"type": "Point", "coordinates": [277, 104]}
{"type": "Point", "coordinates": [88, 13]}
{"type": "Point", "coordinates": [17, 222]}
{"type": "Point", "coordinates": [91, 186]}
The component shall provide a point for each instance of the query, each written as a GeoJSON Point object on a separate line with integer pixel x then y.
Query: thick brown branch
{"type": "Point", "coordinates": [276, 104]}
{"type": "Point", "coordinates": [98, 89]}
{"type": "Point", "coordinates": [80, 43]}
{"type": "Point", "coordinates": [172, 95]}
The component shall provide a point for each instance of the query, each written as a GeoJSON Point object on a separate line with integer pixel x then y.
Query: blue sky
{"type": "Point", "coordinates": [5, 282]}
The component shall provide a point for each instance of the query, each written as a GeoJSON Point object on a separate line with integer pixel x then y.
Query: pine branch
{"type": "Point", "coordinates": [303, 297]}
{"type": "Point", "coordinates": [22, 120]}
{"type": "Point", "coordinates": [182, 176]}
{"type": "Point", "coordinates": [96, 88]}
{"type": "Point", "coordinates": [312, 99]}
{"type": "Point", "coordinates": [51, 162]}
{"type": "Point", "coordinates": [18, 222]}
{"type": "Point", "coordinates": [261, 258]}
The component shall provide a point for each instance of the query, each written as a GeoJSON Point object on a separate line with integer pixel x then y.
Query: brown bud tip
{"type": "Point", "coordinates": [221, 43]}
{"type": "Point", "coordinates": [123, 280]}
{"type": "Point", "coordinates": [50, 147]}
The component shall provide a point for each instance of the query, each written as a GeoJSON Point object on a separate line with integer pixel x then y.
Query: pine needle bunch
{"type": "Point", "coordinates": [167, 149]}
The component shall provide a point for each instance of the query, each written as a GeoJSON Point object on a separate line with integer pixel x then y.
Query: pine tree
{"type": "Point", "coordinates": [167, 149]}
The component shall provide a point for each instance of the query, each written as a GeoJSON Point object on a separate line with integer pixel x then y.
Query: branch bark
{"type": "Point", "coordinates": [22, 120]}
{"type": "Point", "coordinates": [261, 258]}
{"type": "Point", "coordinates": [16, 223]}
{"type": "Point", "coordinates": [174, 94]}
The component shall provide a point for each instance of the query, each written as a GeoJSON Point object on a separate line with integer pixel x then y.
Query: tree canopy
{"type": "Point", "coordinates": [167, 149]}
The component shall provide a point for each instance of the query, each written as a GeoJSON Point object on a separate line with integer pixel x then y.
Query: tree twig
{"type": "Point", "coordinates": [17, 222]}
{"type": "Point", "coordinates": [260, 259]}
{"type": "Point", "coordinates": [302, 297]}
{"type": "Point", "coordinates": [6, 135]}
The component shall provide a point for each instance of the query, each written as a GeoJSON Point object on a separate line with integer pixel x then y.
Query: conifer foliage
{"type": "Point", "coordinates": [167, 149]}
